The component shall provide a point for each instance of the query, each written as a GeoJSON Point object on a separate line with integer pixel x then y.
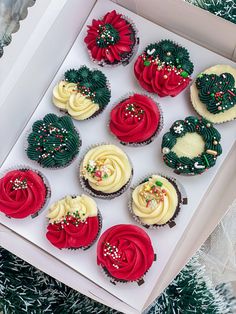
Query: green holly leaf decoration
{"type": "Point", "coordinates": [217, 92]}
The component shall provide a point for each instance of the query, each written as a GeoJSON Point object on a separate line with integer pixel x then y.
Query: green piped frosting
{"type": "Point", "coordinates": [199, 164]}
{"type": "Point", "coordinates": [172, 54]}
{"type": "Point", "coordinates": [91, 83]}
{"type": "Point", "coordinates": [107, 35]}
{"type": "Point", "coordinates": [53, 142]}
{"type": "Point", "coordinates": [72, 76]}
{"type": "Point", "coordinates": [217, 92]}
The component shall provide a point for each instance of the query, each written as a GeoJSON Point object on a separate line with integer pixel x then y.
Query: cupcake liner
{"type": "Point", "coordinates": [182, 200]}
{"type": "Point", "coordinates": [45, 181]}
{"type": "Point", "coordinates": [86, 187]}
{"type": "Point", "coordinates": [115, 281]}
{"type": "Point", "coordinates": [84, 248]}
{"type": "Point", "coordinates": [158, 130]}
{"type": "Point", "coordinates": [129, 57]}
{"type": "Point", "coordinates": [26, 144]}
{"type": "Point", "coordinates": [98, 112]}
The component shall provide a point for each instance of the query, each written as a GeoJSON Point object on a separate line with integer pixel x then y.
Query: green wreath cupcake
{"type": "Point", "coordinates": [191, 146]}
{"type": "Point", "coordinates": [54, 142]}
{"type": "Point", "coordinates": [213, 94]}
{"type": "Point", "coordinates": [83, 93]}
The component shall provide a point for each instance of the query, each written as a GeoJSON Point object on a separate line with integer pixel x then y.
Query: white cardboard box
{"type": "Point", "coordinates": [198, 225]}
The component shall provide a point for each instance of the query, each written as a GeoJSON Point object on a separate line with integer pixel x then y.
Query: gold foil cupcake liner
{"type": "Point", "coordinates": [182, 200]}
{"type": "Point", "coordinates": [85, 185]}
{"type": "Point", "coordinates": [84, 248]}
{"type": "Point", "coordinates": [46, 184]}
{"type": "Point", "coordinates": [155, 134]}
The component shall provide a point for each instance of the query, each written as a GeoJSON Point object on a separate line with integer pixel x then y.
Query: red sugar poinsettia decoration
{"type": "Point", "coordinates": [111, 39]}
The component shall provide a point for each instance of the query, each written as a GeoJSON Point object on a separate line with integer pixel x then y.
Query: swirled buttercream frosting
{"type": "Point", "coordinates": [73, 222]}
{"type": "Point", "coordinates": [22, 193]}
{"type": "Point", "coordinates": [125, 252]}
{"type": "Point", "coordinates": [105, 169]}
{"type": "Point", "coordinates": [83, 93]}
{"type": "Point", "coordinates": [164, 68]}
{"type": "Point", "coordinates": [135, 119]}
{"type": "Point", "coordinates": [53, 142]}
{"type": "Point", "coordinates": [155, 201]}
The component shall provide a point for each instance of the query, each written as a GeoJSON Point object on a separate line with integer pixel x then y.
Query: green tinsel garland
{"type": "Point", "coordinates": [223, 8]}
{"type": "Point", "coordinates": [25, 289]}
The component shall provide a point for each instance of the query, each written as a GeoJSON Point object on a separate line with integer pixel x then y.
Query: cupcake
{"type": "Point", "coordinates": [125, 253]}
{"type": "Point", "coordinates": [105, 171]}
{"type": "Point", "coordinates": [156, 201]}
{"type": "Point", "coordinates": [213, 94]}
{"type": "Point", "coordinates": [23, 193]}
{"type": "Point", "coordinates": [74, 222]}
{"type": "Point", "coordinates": [82, 93]}
{"type": "Point", "coordinates": [135, 120]}
{"type": "Point", "coordinates": [164, 68]}
{"type": "Point", "coordinates": [191, 146]}
{"type": "Point", "coordinates": [54, 142]}
{"type": "Point", "coordinates": [111, 40]}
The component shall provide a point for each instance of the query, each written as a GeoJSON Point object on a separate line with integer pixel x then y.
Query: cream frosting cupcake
{"type": "Point", "coordinates": [105, 171]}
{"type": "Point", "coordinates": [83, 93]}
{"type": "Point", "coordinates": [156, 201]}
{"type": "Point", "coordinates": [213, 94]}
{"type": "Point", "coordinates": [74, 222]}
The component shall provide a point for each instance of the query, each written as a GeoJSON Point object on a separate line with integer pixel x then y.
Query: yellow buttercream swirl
{"type": "Point", "coordinates": [107, 168]}
{"type": "Point", "coordinates": [155, 201]}
{"type": "Point", "coordinates": [62, 92]}
{"type": "Point", "coordinates": [84, 205]}
{"type": "Point", "coordinates": [80, 107]}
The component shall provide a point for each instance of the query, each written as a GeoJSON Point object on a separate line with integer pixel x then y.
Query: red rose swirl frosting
{"type": "Point", "coordinates": [164, 68]}
{"type": "Point", "coordinates": [22, 193]}
{"type": "Point", "coordinates": [135, 119]}
{"type": "Point", "coordinates": [125, 252]}
{"type": "Point", "coordinates": [74, 222]}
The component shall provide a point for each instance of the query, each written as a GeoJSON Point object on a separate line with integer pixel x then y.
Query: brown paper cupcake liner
{"type": "Point", "coordinates": [84, 248]}
{"type": "Point", "coordinates": [156, 133]}
{"type": "Point", "coordinates": [46, 184]}
{"type": "Point", "coordinates": [88, 189]}
{"type": "Point", "coordinates": [115, 281]}
{"type": "Point", "coordinates": [182, 200]}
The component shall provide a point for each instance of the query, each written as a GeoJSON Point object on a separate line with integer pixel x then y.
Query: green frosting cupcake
{"type": "Point", "coordinates": [54, 142]}
{"type": "Point", "coordinates": [191, 146]}
{"type": "Point", "coordinates": [172, 54]}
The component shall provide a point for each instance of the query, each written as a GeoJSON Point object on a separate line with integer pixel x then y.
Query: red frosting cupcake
{"type": "Point", "coordinates": [111, 40]}
{"type": "Point", "coordinates": [23, 192]}
{"type": "Point", "coordinates": [164, 68]}
{"type": "Point", "coordinates": [74, 222]}
{"type": "Point", "coordinates": [125, 253]}
{"type": "Point", "coordinates": [135, 120]}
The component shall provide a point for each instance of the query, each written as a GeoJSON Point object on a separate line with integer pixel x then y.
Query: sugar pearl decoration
{"type": "Point", "coordinates": [165, 77]}
{"type": "Point", "coordinates": [165, 150]}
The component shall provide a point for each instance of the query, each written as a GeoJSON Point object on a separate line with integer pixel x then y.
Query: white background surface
{"type": "Point", "coordinates": [65, 181]}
